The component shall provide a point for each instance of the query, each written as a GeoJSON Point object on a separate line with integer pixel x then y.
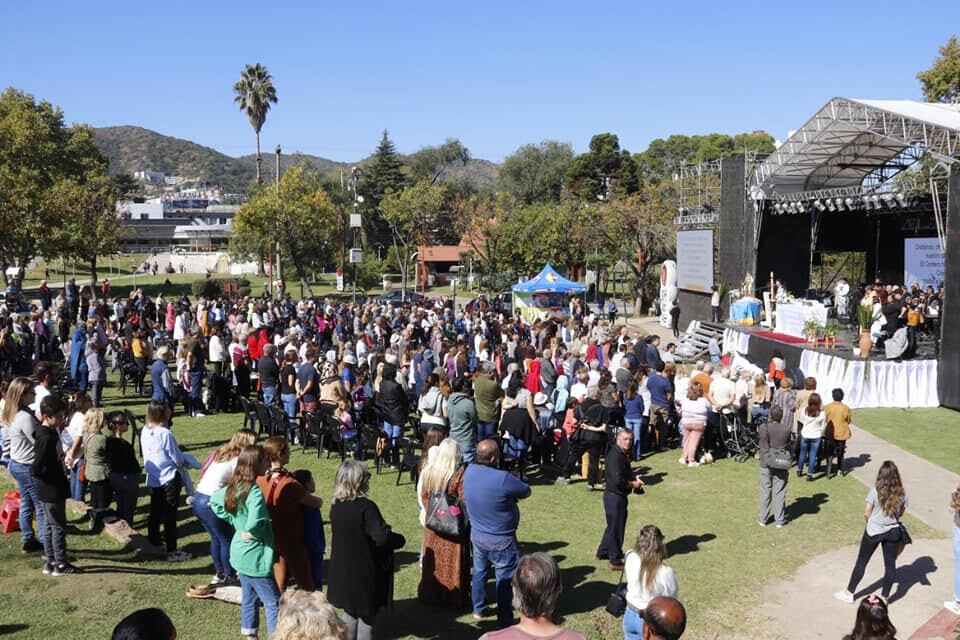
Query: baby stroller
{"type": "Point", "coordinates": [741, 438]}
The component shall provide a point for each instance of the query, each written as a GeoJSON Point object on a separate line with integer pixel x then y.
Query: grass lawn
{"type": "Point", "coordinates": [928, 433]}
{"type": "Point", "coordinates": [708, 516]}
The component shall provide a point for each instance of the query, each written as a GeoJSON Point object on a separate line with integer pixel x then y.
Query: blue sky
{"type": "Point", "coordinates": [494, 74]}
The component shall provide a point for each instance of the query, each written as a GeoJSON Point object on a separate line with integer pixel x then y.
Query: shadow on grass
{"type": "Point", "coordinates": [907, 576]}
{"type": "Point", "coordinates": [654, 478]}
{"type": "Point", "coordinates": [409, 617]}
{"type": "Point", "coordinates": [806, 505]}
{"type": "Point", "coordinates": [688, 543]}
{"type": "Point", "coordinates": [142, 571]}
{"type": "Point", "coordinates": [585, 597]}
{"type": "Point", "coordinates": [857, 461]}
{"type": "Point", "coordinates": [12, 628]}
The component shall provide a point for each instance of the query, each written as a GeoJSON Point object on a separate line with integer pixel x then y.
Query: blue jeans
{"type": "Point", "coordinates": [394, 432]}
{"type": "Point", "coordinates": [808, 447]}
{"type": "Point", "coordinates": [514, 448]}
{"type": "Point", "coordinates": [632, 625]}
{"type": "Point", "coordinates": [636, 425]}
{"type": "Point", "coordinates": [77, 487]}
{"type": "Point", "coordinates": [29, 502]}
{"type": "Point", "coordinates": [485, 430]}
{"type": "Point", "coordinates": [289, 402]}
{"type": "Point", "coordinates": [956, 558]}
{"type": "Point", "coordinates": [269, 395]}
{"type": "Point", "coordinates": [504, 563]}
{"type": "Point", "coordinates": [220, 531]}
{"type": "Point", "coordinates": [253, 592]}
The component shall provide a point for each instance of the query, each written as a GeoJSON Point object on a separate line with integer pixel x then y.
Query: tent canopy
{"type": "Point", "coordinates": [549, 281]}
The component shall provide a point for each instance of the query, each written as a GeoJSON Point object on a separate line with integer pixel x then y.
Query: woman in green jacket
{"type": "Point", "coordinates": [241, 504]}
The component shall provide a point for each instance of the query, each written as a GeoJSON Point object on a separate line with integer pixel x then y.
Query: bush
{"type": "Point", "coordinates": [208, 288]}
{"type": "Point", "coordinates": [242, 282]}
{"type": "Point", "coordinates": [244, 291]}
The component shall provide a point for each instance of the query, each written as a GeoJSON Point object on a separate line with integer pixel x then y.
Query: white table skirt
{"type": "Point", "coordinates": [791, 316]}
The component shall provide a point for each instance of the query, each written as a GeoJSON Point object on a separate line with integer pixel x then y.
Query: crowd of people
{"type": "Point", "coordinates": [486, 398]}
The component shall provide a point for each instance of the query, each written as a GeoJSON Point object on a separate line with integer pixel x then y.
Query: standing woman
{"type": "Point", "coordinates": [72, 438]}
{"type": "Point", "coordinates": [21, 424]}
{"type": "Point", "coordinates": [288, 386]}
{"type": "Point", "coordinates": [647, 577]}
{"type": "Point", "coordinates": [241, 504]}
{"type": "Point", "coordinates": [97, 466]}
{"type": "Point", "coordinates": [786, 398]}
{"type": "Point", "coordinates": [812, 423]}
{"type": "Point", "coordinates": [953, 606]}
{"type": "Point", "coordinates": [445, 573]}
{"type": "Point", "coordinates": [886, 504]}
{"type": "Point", "coordinates": [693, 412]}
{"type": "Point", "coordinates": [213, 477]}
{"type": "Point", "coordinates": [431, 405]}
{"type": "Point", "coordinates": [124, 468]}
{"type": "Point", "coordinates": [96, 374]}
{"type": "Point", "coordinates": [361, 563]}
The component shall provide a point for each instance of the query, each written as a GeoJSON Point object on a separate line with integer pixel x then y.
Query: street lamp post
{"type": "Point", "coordinates": [277, 220]}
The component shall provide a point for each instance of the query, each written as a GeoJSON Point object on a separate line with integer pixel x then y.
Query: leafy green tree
{"type": "Point", "coordinates": [126, 185]}
{"type": "Point", "coordinates": [530, 236]}
{"type": "Point", "coordinates": [431, 162]}
{"type": "Point", "coordinates": [37, 151]}
{"type": "Point", "coordinates": [89, 224]}
{"type": "Point", "coordinates": [603, 171]}
{"type": "Point", "coordinates": [254, 93]}
{"type": "Point", "coordinates": [941, 82]}
{"type": "Point", "coordinates": [412, 216]}
{"type": "Point", "coordinates": [662, 158]}
{"type": "Point", "coordinates": [301, 218]}
{"type": "Point", "coordinates": [382, 175]}
{"type": "Point", "coordinates": [536, 172]}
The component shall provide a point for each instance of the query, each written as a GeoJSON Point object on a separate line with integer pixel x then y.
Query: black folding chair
{"type": "Point", "coordinates": [279, 422]}
{"type": "Point", "coordinates": [311, 429]}
{"type": "Point", "coordinates": [332, 436]}
{"type": "Point", "coordinates": [134, 430]}
{"type": "Point", "coordinates": [250, 418]}
{"type": "Point", "coordinates": [263, 418]}
{"type": "Point", "coordinates": [370, 435]}
{"type": "Point", "coordinates": [409, 460]}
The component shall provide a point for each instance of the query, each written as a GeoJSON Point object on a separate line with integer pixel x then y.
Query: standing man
{"type": "Point", "coordinates": [486, 393]}
{"type": "Point", "coordinates": [661, 395]}
{"type": "Point", "coordinates": [45, 297]}
{"type": "Point", "coordinates": [715, 303]}
{"type": "Point", "coordinates": [675, 319]}
{"type": "Point", "coordinates": [548, 374]}
{"type": "Point", "coordinates": [773, 482]}
{"type": "Point", "coordinates": [713, 347]}
{"type": "Point", "coordinates": [462, 414]}
{"type": "Point", "coordinates": [71, 298]}
{"type": "Point", "coordinates": [620, 482]}
{"type": "Point", "coordinates": [491, 496]}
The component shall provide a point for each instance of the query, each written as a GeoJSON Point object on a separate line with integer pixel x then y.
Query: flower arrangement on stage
{"type": "Point", "coordinates": [830, 333]}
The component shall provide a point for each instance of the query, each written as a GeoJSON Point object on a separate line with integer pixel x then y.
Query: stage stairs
{"type": "Point", "coordinates": [693, 344]}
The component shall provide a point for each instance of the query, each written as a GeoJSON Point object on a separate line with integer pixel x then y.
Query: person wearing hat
{"type": "Point", "coordinates": [348, 374]}
{"type": "Point", "coordinates": [332, 392]}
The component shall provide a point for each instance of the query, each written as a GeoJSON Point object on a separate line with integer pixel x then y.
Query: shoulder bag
{"type": "Point", "coordinates": [781, 459]}
{"type": "Point", "coordinates": [617, 602]}
{"type": "Point", "coordinates": [905, 538]}
{"type": "Point", "coordinates": [447, 515]}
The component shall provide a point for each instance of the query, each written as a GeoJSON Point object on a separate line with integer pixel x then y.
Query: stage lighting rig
{"type": "Point", "coordinates": [902, 199]}
{"type": "Point", "coordinates": [839, 203]}
{"type": "Point", "coordinates": [800, 208]}
{"type": "Point", "coordinates": [888, 200]}
{"type": "Point", "coordinates": [849, 204]}
{"type": "Point", "coordinates": [830, 206]}
{"type": "Point", "coordinates": [819, 205]}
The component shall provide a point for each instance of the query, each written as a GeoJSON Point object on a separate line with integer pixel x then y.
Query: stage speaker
{"type": "Point", "coordinates": [735, 243]}
{"type": "Point", "coordinates": [948, 374]}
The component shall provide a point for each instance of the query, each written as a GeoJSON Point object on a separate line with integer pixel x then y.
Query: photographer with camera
{"type": "Point", "coordinates": [620, 482]}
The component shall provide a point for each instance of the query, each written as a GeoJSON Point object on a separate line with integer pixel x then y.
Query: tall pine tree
{"type": "Point", "coordinates": [383, 175]}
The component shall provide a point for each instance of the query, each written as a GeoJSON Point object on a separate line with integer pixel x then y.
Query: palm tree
{"type": "Point", "coordinates": [254, 94]}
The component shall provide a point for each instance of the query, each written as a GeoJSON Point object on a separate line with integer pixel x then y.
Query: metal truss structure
{"type": "Point", "coordinates": [698, 190]}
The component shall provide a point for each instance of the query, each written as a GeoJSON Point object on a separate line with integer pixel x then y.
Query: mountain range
{"type": "Point", "coordinates": [131, 149]}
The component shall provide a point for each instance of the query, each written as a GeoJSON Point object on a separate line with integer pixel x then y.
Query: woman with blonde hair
{"type": "Point", "coordinates": [215, 475]}
{"type": "Point", "coordinates": [307, 615]}
{"type": "Point", "coordinates": [886, 504]}
{"type": "Point", "coordinates": [97, 466]}
{"type": "Point", "coordinates": [445, 574]}
{"type": "Point", "coordinates": [953, 606]}
{"type": "Point", "coordinates": [693, 420]}
{"type": "Point", "coordinates": [759, 400]}
{"type": "Point", "coordinates": [20, 424]}
{"type": "Point", "coordinates": [647, 577]}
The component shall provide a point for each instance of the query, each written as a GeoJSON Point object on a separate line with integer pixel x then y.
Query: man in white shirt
{"type": "Point", "coordinates": [723, 391]}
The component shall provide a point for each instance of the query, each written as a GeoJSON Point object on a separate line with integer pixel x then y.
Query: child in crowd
{"type": "Point", "coordinates": [96, 467]}
{"type": "Point", "coordinates": [348, 432]}
{"type": "Point", "coordinates": [313, 537]}
{"type": "Point", "coordinates": [124, 467]}
{"type": "Point", "coordinates": [52, 486]}
{"type": "Point", "coordinates": [162, 459]}
{"type": "Point", "coordinates": [189, 462]}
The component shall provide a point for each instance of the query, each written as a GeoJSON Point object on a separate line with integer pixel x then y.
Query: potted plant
{"type": "Point", "coordinates": [865, 319]}
{"type": "Point", "coordinates": [830, 333]}
{"type": "Point", "coordinates": [811, 329]}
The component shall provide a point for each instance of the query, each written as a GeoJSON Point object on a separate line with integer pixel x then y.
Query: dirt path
{"type": "Point", "coordinates": [803, 606]}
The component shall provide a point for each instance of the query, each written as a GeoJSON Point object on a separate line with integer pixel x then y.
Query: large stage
{"type": "Point", "coordinates": [866, 383]}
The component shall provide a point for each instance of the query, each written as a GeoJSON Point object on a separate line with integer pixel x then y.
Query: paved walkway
{"type": "Point", "coordinates": [803, 606]}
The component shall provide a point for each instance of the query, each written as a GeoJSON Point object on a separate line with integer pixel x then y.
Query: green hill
{"type": "Point", "coordinates": [131, 149]}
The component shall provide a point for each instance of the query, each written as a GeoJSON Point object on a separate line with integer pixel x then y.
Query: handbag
{"type": "Point", "coordinates": [905, 538]}
{"type": "Point", "coordinates": [617, 601]}
{"type": "Point", "coordinates": [781, 459]}
{"type": "Point", "coordinates": [447, 515]}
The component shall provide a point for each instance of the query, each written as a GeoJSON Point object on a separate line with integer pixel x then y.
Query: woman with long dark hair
{"type": "Point", "coordinates": [886, 504]}
{"type": "Point", "coordinates": [812, 423]}
{"type": "Point", "coordinates": [242, 505]}
{"type": "Point", "coordinates": [872, 623]}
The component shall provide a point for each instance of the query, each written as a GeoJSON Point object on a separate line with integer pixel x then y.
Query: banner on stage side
{"type": "Point", "coordinates": [695, 260]}
{"type": "Point", "coordinates": [922, 262]}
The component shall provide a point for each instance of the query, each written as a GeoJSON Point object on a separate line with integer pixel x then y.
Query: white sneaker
{"type": "Point", "coordinates": [952, 606]}
{"type": "Point", "coordinates": [199, 415]}
{"type": "Point", "coordinates": [682, 461]}
{"type": "Point", "coordinates": [693, 464]}
{"type": "Point", "coordinates": [844, 596]}
{"type": "Point", "coordinates": [762, 523]}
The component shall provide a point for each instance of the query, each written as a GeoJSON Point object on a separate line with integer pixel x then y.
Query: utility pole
{"type": "Point", "coordinates": [277, 221]}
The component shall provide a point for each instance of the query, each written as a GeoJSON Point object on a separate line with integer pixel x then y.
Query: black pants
{"type": "Point", "coordinates": [836, 449]}
{"type": "Point", "coordinates": [101, 494]}
{"type": "Point", "coordinates": [141, 373]}
{"type": "Point", "coordinates": [611, 545]}
{"type": "Point", "coordinates": [868, 544]}
{"type": "Point", "coordinates": [164, 501]}
{"type": "Point", "coordinates": [577, 449]}
{"type": "Point", "coordinates": [675, 325]}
